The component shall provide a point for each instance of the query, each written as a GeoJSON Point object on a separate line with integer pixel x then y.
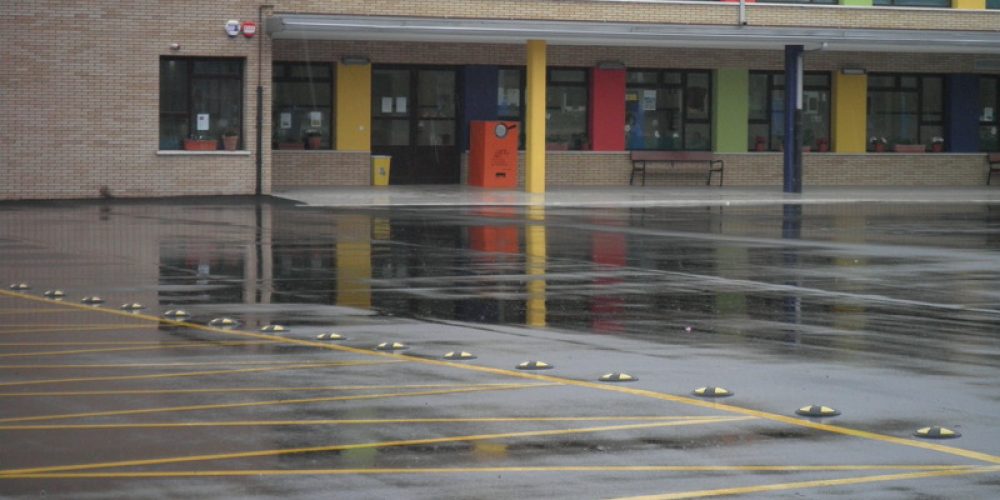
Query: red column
{"type": "Point", "coordinates": [606, 114]}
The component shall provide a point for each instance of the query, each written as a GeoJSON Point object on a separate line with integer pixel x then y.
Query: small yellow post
{"type": "Point", "coordinates": [354, 107]}
{"type": "Point", "coordinates": [850, 113]}
{"type": "Point", "coordinates": [534, 174]}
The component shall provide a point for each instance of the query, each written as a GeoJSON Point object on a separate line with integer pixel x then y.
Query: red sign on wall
{"type": "Point", "coordinates": [249, 29]}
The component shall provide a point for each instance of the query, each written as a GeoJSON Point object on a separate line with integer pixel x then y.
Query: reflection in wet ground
{"type": "Point", "coordinates": [898, 280]}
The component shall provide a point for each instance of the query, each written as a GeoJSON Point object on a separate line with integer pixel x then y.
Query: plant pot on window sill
{"type": "Point", "coordinates": [909, 148]}
{"type": "Point", "coordinates": [229, 142]}
{"type": "Point", "coordinates": [937, 147]}
{"type": "Point", "coordinates": [314, 142]}
{"type": "Point", "coordinates": [200, 145]}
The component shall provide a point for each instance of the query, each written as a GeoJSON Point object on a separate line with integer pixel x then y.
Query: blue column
{"type": "Point", "coordinates": [961, 131]}
{"type": "Point", "coordinates": [479, 99]}
{"type": "Point", "coordinates": [793, 119]}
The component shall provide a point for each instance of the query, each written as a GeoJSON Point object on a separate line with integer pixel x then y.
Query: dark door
{"type": "Point", "coordinates": [413, 120]}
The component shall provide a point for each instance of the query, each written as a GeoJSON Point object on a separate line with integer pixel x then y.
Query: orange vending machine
{"type": "Point", "coordinates": [493, 154]}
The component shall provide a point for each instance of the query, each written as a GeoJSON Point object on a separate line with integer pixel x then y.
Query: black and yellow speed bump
{"type": "Point", "coordinates": [225, 323]}
{"type": "Point", "coordinates": [712, 392]}
{"type": "Point", "coordinates": [273, 329]}
{"type": "Point", "coordinates": [20, 287]}
{"type": "Point", "coordinates": [459, 355]}
{"type": "Point", "coordinates": [177, 314]}
{"type": "Point", "coordinates": [330, 336]}
{"type": "Point", "coordinates": [817, 411]}
{"type": "Point", "coordinates": [534, 365]}
{"type": "Point", "coordinates": [54, 294]}
{"type": "Point", "coordinates": [92, 300]}
{"type": "Point", "coordinates": [936, 432]}
{"type": "Point", "coordinates": [132, 307]}
{"type": "Point", "coordinates": [391, 346]}
{"type": "Point", "coordinates": [617, 377]}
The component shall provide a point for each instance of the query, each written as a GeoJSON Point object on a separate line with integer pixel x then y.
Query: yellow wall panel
{"type": "Point", "coordinates": [354, 107]}
{"type": "Point", "coordinates": [850, 113]}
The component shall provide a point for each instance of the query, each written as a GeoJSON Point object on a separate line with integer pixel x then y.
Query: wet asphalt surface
{"type": "Point", "coordinates": [889, 313]}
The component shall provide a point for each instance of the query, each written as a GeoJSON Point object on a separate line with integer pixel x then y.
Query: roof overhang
{"type": "Point", "coordinates": [416, 29]}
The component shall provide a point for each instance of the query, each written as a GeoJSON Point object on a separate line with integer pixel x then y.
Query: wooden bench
{"type": "Point", "coordinates": [641, 158]}
{"type": "Point", "coordinates": [993, 159]}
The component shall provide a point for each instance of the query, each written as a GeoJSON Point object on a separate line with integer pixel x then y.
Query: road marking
{"type": "Point", "coordinates": [277, 423]}
{"type": "Point", "coordinates": [822, 483]}
{"type": "Point", "coordinates": [107, 349]}
{"type": "Point", "coordinates": [77, 329]}
{"type": "Point", "coordinates": [135, 342]}
{"type": "Point", "coordinates": [492, 470]}
{"type": "Point", "coordinates": [119, 392]}
{"type": "Point", "coordinates": [714, 405]}
{"type": "Point", "coordinates": [36, 310]}
{"type": "Point", "coordinates": [343, 447]}
{"type": "Point", "coordinates": [274, 402]}
{"type": "Point", "coordinates": [196, 374]}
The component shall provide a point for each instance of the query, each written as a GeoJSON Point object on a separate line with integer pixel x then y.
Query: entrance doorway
{"type": "Point", "coordinates": [413, 120]}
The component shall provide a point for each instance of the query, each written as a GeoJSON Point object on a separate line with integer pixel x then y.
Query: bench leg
{"type": "Point", "coordinates": [644, 173]}
{"type": "Point", "coordinates": [631, 177]}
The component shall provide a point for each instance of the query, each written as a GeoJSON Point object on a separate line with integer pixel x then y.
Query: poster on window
{"type": "Point", "coordinates": [315, 119]}
{"type": "Point", "coordinates": [649, 100]}
{"type": "Point", "coordinates": [401, 104]}
{"type": "Point", "coordinates": [203, 122]}
{"type": "Point", "coordinates": [387, 105]}
{"type": "Point", "coordinates": [286, 121]}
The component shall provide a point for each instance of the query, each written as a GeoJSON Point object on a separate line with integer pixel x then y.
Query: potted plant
{"type": "Point", "coordinates": [937, 144]}
{"type": "Point", "coordinates": [760, 143]}
{"type": "Point", "coordinates": [200, 142]}
{"type": "Point", "coordinates": [822, 145]}
{"type": "Point", "coordinates": [230, 139]}
{"type": "Point", "coordinates": [314, 139]}
{"type": "Point", "coordinates": [878, 144]}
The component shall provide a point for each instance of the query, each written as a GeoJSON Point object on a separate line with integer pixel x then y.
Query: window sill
{"type": "Point", "coordinates": [180, 152]}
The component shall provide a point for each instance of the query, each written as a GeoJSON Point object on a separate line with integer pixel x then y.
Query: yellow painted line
{"type": "Point", "coordinates": [409, 421]}
{"type": "Point", "coordinates": [690, 401]}
{"type": "Point", "coordinates": [77, 329]}
{"type": "Point", "coordinates": [491, 470]}
{"type": "Point", "coordinates": [822, 483]}
{"type": "Point", "coordinates": [274, 402]}
{"type": "Point", "coordinates": [343, 447]}
{"type": "Point", "coordinates": [107, 349]}
{"type": "Point", "coordinates": [147, 365]}
{"type": "Point", "coordinates": [194, 374]}
{"type": "Point", "coordinates": [120, 392]}
{"type": "Point", "coordinates": [35, 310]}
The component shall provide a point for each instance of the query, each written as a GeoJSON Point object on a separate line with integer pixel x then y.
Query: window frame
{"type": "Point", "coordinates": [330, 81]}
{"type": "Point", "coordinates": [772, 137]}
{"type": "Point", "coordinates": [190, 77]}
{"type": "Point", "coordinates": [995, 123]}
{"type": "Point", "coordinates": [585, 85]}
{"type": "Point", "coordinates": [685, 120]}
{"type": "Point", "coordinates": [919, 90]}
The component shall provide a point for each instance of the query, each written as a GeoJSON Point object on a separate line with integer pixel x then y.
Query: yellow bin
{"type": "Point", "coordinates": [380, 170]}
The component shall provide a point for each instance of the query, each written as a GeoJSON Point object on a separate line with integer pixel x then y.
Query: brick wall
{"type": "Point", "coordinates": [320, 168]}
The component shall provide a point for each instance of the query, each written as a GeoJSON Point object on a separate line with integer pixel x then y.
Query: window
{"type": "Point", "coordinates": [905, 109]}
{"type": "Point", "coordinates": [667, 109]}
{"type": "Point", "coordinates": [989, 121]}
{"type": "Point", "coordinates": [200, 99]}
{"type": "Point", "coordinates": [766, 130]}
{"type": "Point", "coordinates": [945, 4]}
{"type": "Point", "coordinates": [566, 109]}
{"type": "Point", "coordinates": [510, 98]}
{"type": "Point", "coordinates": [825, 2]}
{"type": "Point", "coordinates": [303, 106]}
{"type": "Point", "coordinates": [993, 4]}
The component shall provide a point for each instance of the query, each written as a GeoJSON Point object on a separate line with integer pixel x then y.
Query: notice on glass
{"type": "Point", "coordinates": [649, 100]}
{"type": "Point", "coordinates": [315, 119]}
{"type": "Point", "coordinates": [387, 105]}
{"type": "Point", "coordinates": [203, 123]}
{"type": "Point", "coordinates": [401, 105]}
{"type": "Point", "coordinates": [286, 121]}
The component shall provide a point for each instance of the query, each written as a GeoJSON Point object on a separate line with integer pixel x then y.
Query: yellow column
{"type": "Point", "coordinates": [534, 175]}
{"type": "Point", "coordinates": [354, 107]}
{"type": "Point", "coordinates": [850, 113]}
{"type": "Point", "coordinates": [536, 250]}
{"type": "Point", "coordinates": [969, 4]}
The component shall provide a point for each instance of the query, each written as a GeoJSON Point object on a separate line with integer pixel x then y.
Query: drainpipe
{"type": "Point", "coordinates": [258, 190]}
{"type": "Point", "coordinates": [743, 12]}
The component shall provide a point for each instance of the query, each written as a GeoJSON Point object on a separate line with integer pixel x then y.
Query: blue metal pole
{"type": "Point", "coordinates": [793, 119]}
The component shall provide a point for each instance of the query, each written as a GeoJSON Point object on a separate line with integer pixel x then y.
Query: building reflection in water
{"type": "Point", "coordinates": [791, 229]}
{"type": "Point", "coordinates": [536, 251]}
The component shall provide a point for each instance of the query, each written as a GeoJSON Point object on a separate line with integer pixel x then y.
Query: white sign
{"type": "Point", "coordinates": [286, 120]}
{"type": "Point", "coordinates": [387, 105]}
{"type": "Point", "coordinates": [203, 124]}
{"type": "Point", "coordinates": [232, 28]}
{"type": "Point", "coordinates": [649, 100]}
{"type": "Point", "coordinates": [315, 119]}
{"type": "Point", "coordinates": [401, 105]}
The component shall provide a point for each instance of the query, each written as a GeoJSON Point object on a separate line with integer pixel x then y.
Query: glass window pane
{"type": "Point", "coordinates": [641, 77]}
{"type": "Point", "coordinates": [436, 133]}
{"type": "Point", "coordinates": [816, 119]}
{"type": "Point", "coordinates": [989, 140]}
{"type": "Point", "coordinates": [988, 99]}
{"type": "Point", "coordinates": [310, 71]}
{"type": "Point", "coordinates": [758, 137]}
{"type": "Point", "coordinates": [932, 99]}
{"type": "Point", "coordinates": [696, 136]}
{"type": "Point", "coordinates": [388, 132]}
{"type": "Point", "coordinates": [672, 78]}
{"type": "Point", "coordinates": [390, 92]}
{"type": "Point", "coordinates": [930, 133]}
{"type": "Point", "coordinates": [230, 67]}
{"type": "Point", "coordinates": [881, 81]}
{"type": "Point", "coordinates": [436, 94]}
{"type": "Point", "coordinates": [174, 86]}
{"type": "Point", "coordinates": [758, 96]}
{"type": "Point", "coordinates": [566, 116]}
{"type": "Point", "coordinates": [993, 4]}
{"type": "Point", "coordinates": [908, 82]}
{"type": "Point", "coordinates": [816, 80]}
{"type": "Point", "coordinates": [509, 94]}
{"type": "Point", "coordinates": [568, 75]}
{"type": "Point", "coordinates": [696, 96]}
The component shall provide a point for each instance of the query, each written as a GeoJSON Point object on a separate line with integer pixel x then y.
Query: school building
{"type": "Point", "coordinates": [132, 99]}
